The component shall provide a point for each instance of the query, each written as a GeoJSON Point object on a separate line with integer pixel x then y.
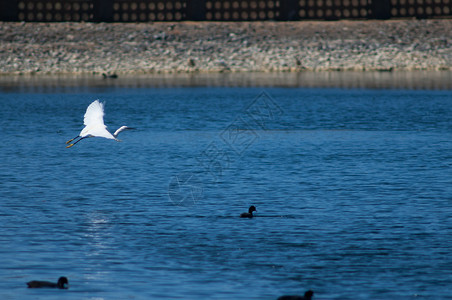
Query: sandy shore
{"type": "Point", "coordinates": [205, 47]}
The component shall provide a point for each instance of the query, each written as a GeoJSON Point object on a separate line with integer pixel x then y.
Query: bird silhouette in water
{"type": "Point", "coordinates": [94, 125]}
{"type": "Point", "coordinates": [62, 283]}
{"type": "Point", "coordinates": [248, 214]}
{"type": "Point", "coordinates": [107, 76]}
{"type": "Point", "coordinates": [307, 296]}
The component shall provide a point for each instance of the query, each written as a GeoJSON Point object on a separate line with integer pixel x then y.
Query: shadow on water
{"type": "Point", "coordinates": [423, 80]}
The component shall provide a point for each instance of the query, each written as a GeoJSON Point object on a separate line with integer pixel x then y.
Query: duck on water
{"type": "Point", "coordinates": [307, 296]}
{"type": "Point", "coordinates": [248, 214]}
{"type": "Point", "coordinates": [62, 283]}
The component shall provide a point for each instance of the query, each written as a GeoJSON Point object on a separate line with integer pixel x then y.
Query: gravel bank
{"type": "Point", "coordinates": [188, 47]}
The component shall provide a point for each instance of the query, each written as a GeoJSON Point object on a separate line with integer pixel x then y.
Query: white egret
{"type": "Point", "coordinates": [94, 125]}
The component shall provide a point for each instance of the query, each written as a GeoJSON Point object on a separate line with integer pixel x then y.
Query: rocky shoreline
{"type": "Point", "coordinates": [215, 47]}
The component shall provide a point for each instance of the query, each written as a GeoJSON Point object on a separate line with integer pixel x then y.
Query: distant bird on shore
{"type": "Point", "coordinates": [94, 125]}
{"type": "Point", "coordinates": [307, 296]}
{"type": "Point", "coordinates": [62, 283]}
{"type": "Point", "coordinates": [248, 214]}
{"type": "Point", "coordinates": [112, 76]}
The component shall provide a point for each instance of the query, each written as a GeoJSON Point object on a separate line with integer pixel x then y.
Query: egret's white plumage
{"type": "Point", "coordinates": [94, 124]}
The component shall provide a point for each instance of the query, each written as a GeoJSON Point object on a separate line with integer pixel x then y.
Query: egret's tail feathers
{"type": "Point", "coordinates": [70, 145]}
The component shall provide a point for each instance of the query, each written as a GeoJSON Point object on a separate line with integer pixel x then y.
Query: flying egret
{"type": "Point", "coordinates": [94, 125]}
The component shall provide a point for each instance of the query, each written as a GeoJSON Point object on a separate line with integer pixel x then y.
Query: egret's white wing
{"type": "Point", "coordinates": [94, 115]}
{"type": "Point", "coordinates": [101, 131]}
{"type": "Point", "coordinates": [94, 121]}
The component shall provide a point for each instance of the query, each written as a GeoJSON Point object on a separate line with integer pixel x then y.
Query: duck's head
{"type": "Point", "coordinates": [63, 283]}
{"type": "Point", "coordinates": [251, 209]}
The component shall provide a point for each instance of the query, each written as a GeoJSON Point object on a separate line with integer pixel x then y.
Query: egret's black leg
{"type": "Point", "coordinates": [72, 139]}
{"type": "Point", "coordinates": [70, 145]}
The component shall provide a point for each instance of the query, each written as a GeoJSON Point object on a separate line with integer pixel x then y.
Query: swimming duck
{"type": "Point", "coordinates": [307, 296]}
{"type": "Point", "coordinates": [62, 283]}
{"type": "Point", "coordinates": [249, 214]}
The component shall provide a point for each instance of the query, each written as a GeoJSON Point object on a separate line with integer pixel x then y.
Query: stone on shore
{"type": "Point", "coordinates": [203, 47]}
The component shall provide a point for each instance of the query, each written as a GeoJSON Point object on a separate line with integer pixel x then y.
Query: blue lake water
{"type": "Point", "coordinates": [353, 190]}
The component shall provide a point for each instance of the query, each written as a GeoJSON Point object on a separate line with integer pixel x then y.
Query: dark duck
{"type": "Point", "coordinates": [62, 283]}
{"type": "Point", "coordinates": [307, 296]}
{"type": "Point", "coordinates": [249, 214]}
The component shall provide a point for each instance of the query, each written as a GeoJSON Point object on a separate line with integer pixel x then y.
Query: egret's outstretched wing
{"type": "Point", "coordinates": [94, 115]}
{"type": "Point", "coordinates": [94, 121]}
{"type": "Point", "coordinates": [101, 131]}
